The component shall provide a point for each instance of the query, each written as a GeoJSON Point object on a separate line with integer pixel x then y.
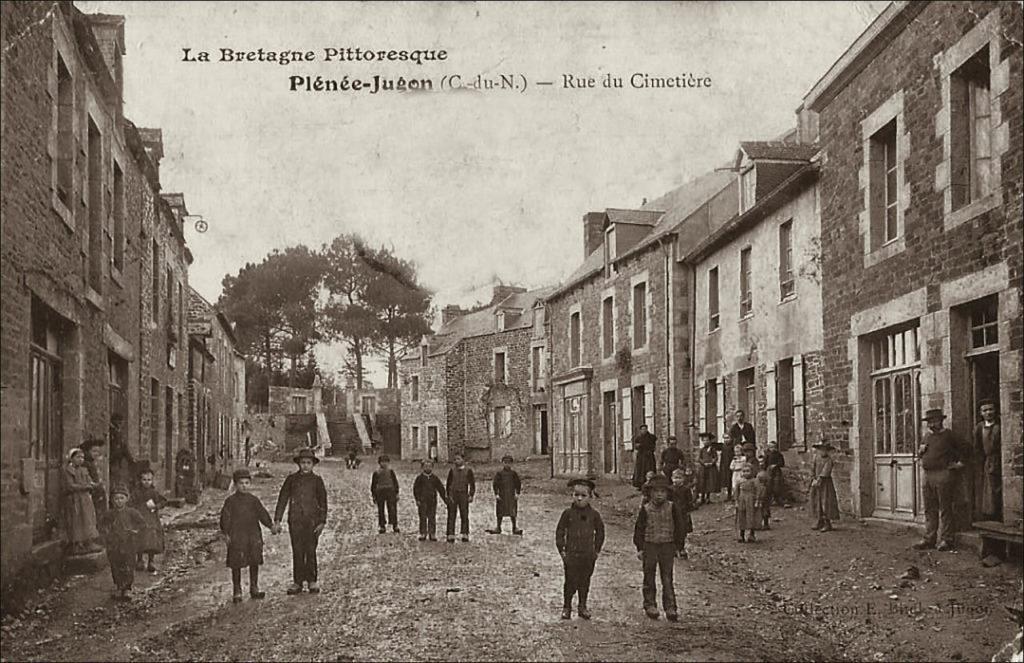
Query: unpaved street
{"type": "Point", "coordinates": [391, 597]}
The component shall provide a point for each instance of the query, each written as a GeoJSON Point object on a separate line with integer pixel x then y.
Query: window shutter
{"type": "Point", "coordinates": [720, 423]}
{"type": "Point", "coordinates": [702, 410]}
{"type": "Point", "coordinates": [649, 406]}
{"type": "Point", "coordinates": [771, 401]}
{"type": "Point", "coordinates": [799, 426]}
{"type": "Point", "coordinates": [627, 418]}
{"type": "Point", "coordinates": [493, 422]}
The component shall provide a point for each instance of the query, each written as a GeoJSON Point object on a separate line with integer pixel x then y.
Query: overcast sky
{"type": "Point", "coordinates": [473, 187]}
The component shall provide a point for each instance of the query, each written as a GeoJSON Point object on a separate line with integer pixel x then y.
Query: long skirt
{"type": "Point", "coordinates": [151, 539]}
{"type": "Point", "coordinates": [824, 502]}
{"type": "Point", "coordinates": [708, 479]}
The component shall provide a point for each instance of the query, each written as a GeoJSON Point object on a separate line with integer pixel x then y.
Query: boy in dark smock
{"type": "Point", "coordinates": [384, 490]}
{"type": "Point", "coordinates": [507, 487]}
{"type": "Point", "coordinates": [240, 520]}
{"type": "Point", "coordinates": [579, 537]}
{"type": "Point", "coordinates": [305, 496]}
{"type": "Point", "coordinates": [425, 490]}
{"type": "Point", "coordinates": [148, 501]}
{"type": "Point", "coordinates": [461, 487]}
{"type": "Point", "coordinates": [121, 525]}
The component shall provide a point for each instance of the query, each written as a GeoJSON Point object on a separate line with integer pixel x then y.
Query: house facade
{"type": "Point", "coordinates": [920, 132]}
{"type": "Point", "coordinates": [89, 320]}
{"type": "Point", "coordinates": [757, 303]}
{"type": "Point", "coordinates": [479, 385]}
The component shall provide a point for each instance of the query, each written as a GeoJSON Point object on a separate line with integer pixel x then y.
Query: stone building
{"type": "Point", "coordinates": [478, 386]}
{"type": "Point", "coordinates": [920, 129]}
{"type": "Point", "coordinates": [757, 302]}
{"type": "Point", "coordinates": [216, 390]}
{"type": "Point", "coordinates": [619, 331]}
{"type": "Point", "coordinates": [81, 215]}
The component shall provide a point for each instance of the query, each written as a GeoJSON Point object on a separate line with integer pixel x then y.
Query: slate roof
{"type": "Point", "coordinates": [778, 151]}
{"type": "Point", "coordinates": [637, 217]}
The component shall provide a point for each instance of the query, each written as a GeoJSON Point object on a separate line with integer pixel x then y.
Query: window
{"type": "Point", "coordinates": [154, 419]}
{"type": "Point", "coordinates": [95, 175]}
{"type": "Point", "coordinates": [500, 319]}
{"type": "Point", "coordinates": [640, 315]}
{"type": "Point", "coordinates": [607, 327]}
{"type": "Point", "coordinates": [896, 391]}
{"type": "Point", "coordinates": [298, 405]}
{"type": "Point", "coordinates": [985, 324]}
{"type": "Point", "coordinates": [747, 183]}
{"type": "Point", "coordinates": [168, 421]}
{"type": "Point", "coordinates": [745, 393]}
{"type": "Point", "coordinates": [538, 322]}
{"type": "Point", "coordinates": [502, 422]}
{"type": "Point", "coordinates": [786, 282]}
{"type": "Point", "coordinates": [118, 216]}
{"type": "Point", "coordinates": [181, 315]}
{"type": "Point", "coordinates": [500, 374]}
{"type": "Point", "coordinates": [784, 404]}
{"type": "Point", "coordinates": [971, 130]}
{"type": "Point", "coordinates": [537, 368]}
{"type": "Point", "coordinates": [415, 388]}
{"type": "Point", "coordinates": [423, 355]}
{"type": "Point", "coordinates": [415, 437]}
{"type": "Point", "coordinates": [65, 133]}
{"type": "Point", "coordinates": [575, 357]}
{"type": "Point", "coordinates": [746, 299]}
{"type": "Point", "coordinates": [154, 311]}
{"type": "Point", "coordinates": [46, 403]}
{"type": "Point", "coordinates": [713, 321]}
{"type": "Point", "coordinates": [884, 184]}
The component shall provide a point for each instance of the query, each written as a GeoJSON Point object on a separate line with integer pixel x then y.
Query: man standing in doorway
{"type": "Point", "coordinates": [987, 448]}
{"type": "Point", "coordinates": [740, 433]}
{"type": "Point", "coordinates": [940, 457]}
{"type": "Point", "coordinates": [644, 444]}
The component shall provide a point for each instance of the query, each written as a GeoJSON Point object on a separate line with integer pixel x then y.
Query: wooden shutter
{"type": "Point", "coordinates": [701, 407]}
{"type": "Point", "coordinates": [720, 423]}
{"type": "Point", "coordinates": [771, 401]}
{"type": "Point", "coordinates": [649, 406]}
{"type": "Point", "coordinates": [627, 418]}
{"type": "Point", "coordinates": [799, 426]}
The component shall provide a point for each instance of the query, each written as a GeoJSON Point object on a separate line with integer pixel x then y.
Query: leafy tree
{"type": "Point", "coordinates": [345, 317]}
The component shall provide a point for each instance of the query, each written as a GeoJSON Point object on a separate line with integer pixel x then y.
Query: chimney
{"type": "Point", "coordinates": [108, 29]}
{"type": "Point", "coordinates": [806, 125]}
{"type": "Point", "coordinates": [593, 232]}
{"type": "Point", "coordinates": [153, 141]}
{"type": "Point", "coordinates": [450, 312]}
{"type": "Point", "coordinates": [503, 291]}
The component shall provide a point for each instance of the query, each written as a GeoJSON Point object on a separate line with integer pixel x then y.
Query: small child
{"type": "Point", "coordinates": [240, 520]}
{"type": "Point", "coordinates": [645, 494]}
{"type": "Point", "coordinates": [121, 525]}
{"type": "Point", "coordinates": [659, 533]}
{"type": "Point", "coordinates": [824, 502]}
{"type": "Point", "coordinates": [579, 537]}
{"type": "Point", "coordinates": [148, 501]}
{"type": "Point", "coordinates": [773, 463]}
{"type": "Point", "coordinates": [766, 510]}
{"type": "Point", "coordinates": [384, 489]}
{"type": "Point", "coordinates": [425, 490]}
{"type": "Point", "coordinates": [305, 496]}
{"type": "Point", "coordinates": [507, 488]}
{"type": "Point", "coordinates": [461, 487]}
{"type": "Point", "coordinates": [749, 499]}
{"type": "Point", "coordinates": [682, 498]}
{"type": "Point", "coordinates": [352, 460]}
{"type": "Point", "coordinates": [79, 509]}
{"type": "Point", "coordinates": [737, 467]}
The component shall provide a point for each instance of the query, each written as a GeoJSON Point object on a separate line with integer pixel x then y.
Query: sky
{"type": "Point", "coordinates": [475, 187]}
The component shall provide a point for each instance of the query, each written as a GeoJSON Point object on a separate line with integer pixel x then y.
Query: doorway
{"type": "Point", "coordinates": [611, 456]}
{"type": "Point", "coordinates": [540, 430]}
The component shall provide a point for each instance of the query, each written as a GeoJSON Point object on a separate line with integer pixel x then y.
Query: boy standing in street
{"type": "Point", "coordinates": [240, 520]}
{"type": "Point", "coordinates": [121, 525]}
{"type": "Point", "coordinates": [305, 496]}
{"type": "Point", "coordinates": [659, 533]}
{"type": "Point", "coordinates": [507, 487]}
{"type": "Point", "coordinates": [425, 491]}
{"type": "Point", "coordinates": [461, 487]}
{"type": "Point", "coordinates": [579, 537]}
{"type": "Point", "coordinates": [384, 489]}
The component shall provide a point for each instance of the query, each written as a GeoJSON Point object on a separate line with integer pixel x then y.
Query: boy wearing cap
{"type": "Point", "coordinates": [707, 459]}
{"type": "Point", "coordinates": [773, 463]}
{"type": "Point", "coordinates": [121, 525]}
{"type": "Point", "coordinates": [659, 533]}
{"type": "Point", "coordinates": [305, 497]}
{"type": "Point", "coordinates": [425, 490]}
{"type": "Point", "coordinates": [507, 488]}
{"type": "Point", "coordinates": [240, 520]}
{"type": "Point", "coordinates": [579, 537]}
{"type": "Point", "coordinates": [940, 455]}
{"type": "Point", "coordinates": [384, 490]}
{"type": "Point", "coordinates": [461, 487]}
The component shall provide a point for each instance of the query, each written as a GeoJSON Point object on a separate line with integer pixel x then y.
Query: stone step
{"type": "Point", "coordinates": [87, 563]}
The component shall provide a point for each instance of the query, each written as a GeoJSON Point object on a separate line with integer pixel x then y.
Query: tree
{"type": "Point", "coordinates": [345, 317]}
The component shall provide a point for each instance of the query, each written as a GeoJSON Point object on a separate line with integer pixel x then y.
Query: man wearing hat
{"type": "Point", "coordinates": [305, 496]}
{"type": "Point", "coordinates": [940, 455]}
{"type": "Point", "coordinates": [987, 447]}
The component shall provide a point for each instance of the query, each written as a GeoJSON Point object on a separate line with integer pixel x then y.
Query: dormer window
{"type": "Point", "coordinates": [748, 183]}
{"type": "Point", "coordinates": [609, 252]}
{"type": "Point", "coordinates": [501, 320]}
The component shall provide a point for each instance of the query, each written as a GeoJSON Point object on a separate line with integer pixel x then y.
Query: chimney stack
{"type": "Point", "coordinates": [593, 232]}
{"type": "Point", "coordinates": [153, 141]}
{"type": "Point", "coordinates": [450, 312]}
{"type": "Point", "coordinates": [108, 29]}
{"type": "Point", "coordinates": [504, 291]}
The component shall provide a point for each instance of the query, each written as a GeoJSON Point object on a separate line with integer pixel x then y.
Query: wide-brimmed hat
{"type": "Point", "coordinates": [582, 482]}
{"type": "Point", "coordinates": [241, 473]}
{"type": "Point", "coordinates": [933, 413]}
{"type": "Point", "coordinates": [120, 488]}
{"type": "Point", "coordinates": [306, 452]}
{"type": "Point", "coordinates": [658, 481]}
{"type": "Point", "coordinates": [822, 445]}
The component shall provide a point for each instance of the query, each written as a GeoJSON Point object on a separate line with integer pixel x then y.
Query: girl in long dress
{"type": "Point", "coordinates": [79, 511]}
{"type": "Point", "coordinates": [824, 502]}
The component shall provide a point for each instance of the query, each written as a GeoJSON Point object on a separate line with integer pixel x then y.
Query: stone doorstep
{"type": "Point", "coordinates": [86, 564]}
{"type": "Point", "coordinates": [966, 540]}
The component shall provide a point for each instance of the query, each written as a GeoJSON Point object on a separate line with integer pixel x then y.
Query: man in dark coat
{"type": "Point", "coordinates": [671, 457]}
{"type": "Point", "coordinates": [579, 537]}
{"type": "Point", "coordinates": [305, 496]}
{"type": "Point", "coordinates": [940, 456]}
{"type": "Point", "coordinates": [987, 448]}
{"type": "Point", "coordinates": [644, 444]}
{"type": "Point", "coordinates": [461, 488]}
